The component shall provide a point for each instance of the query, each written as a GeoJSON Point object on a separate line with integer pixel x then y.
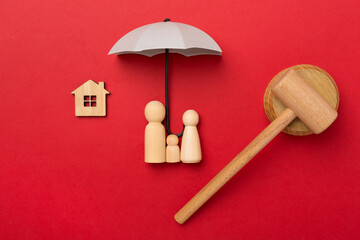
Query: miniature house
{"type": "Point", "coordinates": [90, 99]}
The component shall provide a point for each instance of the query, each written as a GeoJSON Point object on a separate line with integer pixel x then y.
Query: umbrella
{"type": "Point", "coordinates": [166, 37]}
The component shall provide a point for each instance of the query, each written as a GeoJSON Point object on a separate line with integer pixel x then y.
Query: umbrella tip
{"type": "Point", "coordinates": [167, 20]}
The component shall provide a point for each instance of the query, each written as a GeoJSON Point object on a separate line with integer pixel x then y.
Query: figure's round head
{"type": "Point", "coordinates": [190, 118]}
{"type": "Point", "coordinates": [172, 140]}
{"type": "Point", "coordinates": [155, 111]}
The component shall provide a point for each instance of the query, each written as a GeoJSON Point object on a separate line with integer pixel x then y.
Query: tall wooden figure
{"type": "Point", "coordinates": [155, 133]}
{"type": "Point", "coordinates": [190, 145]}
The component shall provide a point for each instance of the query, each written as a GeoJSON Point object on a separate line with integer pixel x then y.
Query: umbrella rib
{"type": "Point", "coordinates": [167, 96]}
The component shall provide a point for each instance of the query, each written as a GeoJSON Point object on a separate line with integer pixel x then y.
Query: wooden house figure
{"type": "Point", "coordinates": [90, 99]}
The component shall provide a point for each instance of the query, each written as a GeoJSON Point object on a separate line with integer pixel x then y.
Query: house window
{"type": "Point", "coordinates": [89, 101]}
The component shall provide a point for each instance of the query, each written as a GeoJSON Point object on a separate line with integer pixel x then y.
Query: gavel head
{"type": "Point", "coordinates": [298, 95]}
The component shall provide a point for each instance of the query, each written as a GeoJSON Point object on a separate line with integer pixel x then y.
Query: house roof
{"type": "Point", "coordinates": [91, 83]}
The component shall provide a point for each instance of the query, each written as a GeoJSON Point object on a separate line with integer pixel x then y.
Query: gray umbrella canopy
{"type": "Point", "coordinates": [152, 39]}
{"type": "Point", "coordinates": [166, 37]}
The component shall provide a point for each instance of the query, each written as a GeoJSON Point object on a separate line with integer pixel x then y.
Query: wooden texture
{"type": "Point", "coordinates": [190, 144]}
{"type": "Point", "coordinates": [154, 133]}
{"type": "Point", "coordinates": [172, 149]}
{"type": "Point", "coordinates": [235, 165]}
{"type": "Point", "coordinates": [319, 80]}
{"type": "Point", "coordinates": [90, 99]}
{"type": "Point", "coordinates": [307, 104]}
{"type": "Point", "coordinates": [293, 89]}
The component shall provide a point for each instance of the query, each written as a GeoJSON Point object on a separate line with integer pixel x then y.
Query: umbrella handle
{"type": "Point", "coordinates": [167, 96]}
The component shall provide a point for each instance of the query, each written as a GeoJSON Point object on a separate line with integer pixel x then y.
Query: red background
{"type": "Point", "coordinates": [65, 177]}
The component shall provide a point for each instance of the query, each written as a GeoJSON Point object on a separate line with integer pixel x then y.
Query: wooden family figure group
{"type": "Point", "coordinates": [157, 151]}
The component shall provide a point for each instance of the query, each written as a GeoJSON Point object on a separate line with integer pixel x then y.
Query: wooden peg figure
{"type": "Point", "coordinates": [190, 145]}
{"type": "Point", "coordinates": [172, 149]}
{"type": "Point", "coordinates": [155, 133]}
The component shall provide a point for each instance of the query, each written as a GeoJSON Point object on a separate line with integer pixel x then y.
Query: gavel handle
{"type": "Point", "coordinates": [235, 165]}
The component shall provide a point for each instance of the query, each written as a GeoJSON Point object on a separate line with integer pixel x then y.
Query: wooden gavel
{"type": "Point", "coordinates": [302, 101]}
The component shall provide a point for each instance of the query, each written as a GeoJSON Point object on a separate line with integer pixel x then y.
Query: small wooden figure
{"type": "Point", "coordinates": [90, 99]}
{"type": "Point", "coordinates": [172, 149]}
{"type": "Point", "coordinates": [190, 145]}
{"type": "Point", "coordinates": [155, 133]}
